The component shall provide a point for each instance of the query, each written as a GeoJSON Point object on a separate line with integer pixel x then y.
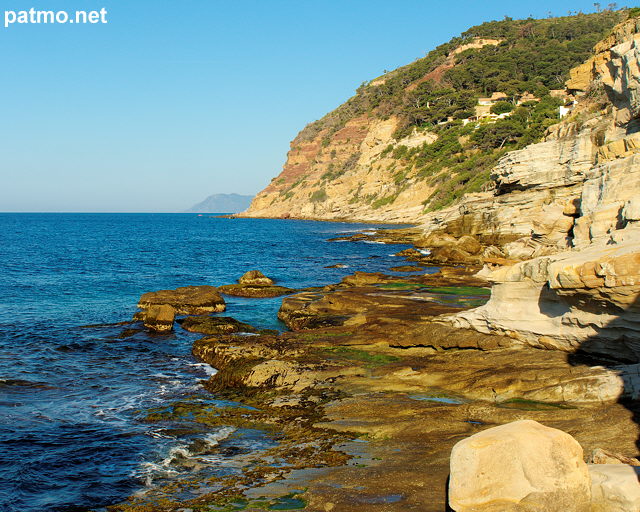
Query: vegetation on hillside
{"type": "Point", "coordinates": [439, 90]}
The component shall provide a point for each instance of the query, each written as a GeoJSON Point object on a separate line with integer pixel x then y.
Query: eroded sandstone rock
{"type": "Point", "coordinates": [521, 466]}
{"type": "Point", "coordinates": [159, 318]}
{"type": "Point", "coordinates": [187, 300]}
{"type": "Point", "coordinates": [586, 301]}
{"type": "Point", "coordinates": [255, 277]}
{"type": "Point", "coordinates": [614, 488]}
{"type": "Point", "coordinates": [600, 456]}
{"type": "Point", "coordinates": [256, 285]}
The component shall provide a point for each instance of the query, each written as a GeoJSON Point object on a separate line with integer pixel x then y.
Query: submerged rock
{"type": "Point", "coordinates": [215, 325]}
{"type": "Point", "coordinates": [187, 300]}
{"type": "Point", "coordinates": [521, 466]}
{"type": "Point", "coordinates": [408, 268]}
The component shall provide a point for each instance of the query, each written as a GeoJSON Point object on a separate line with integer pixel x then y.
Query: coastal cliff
{"type": "Point", "coordinates": [571, 204]}
{"type": "Point", "coordinates": [566, 207]}
{"type": "Point", "coordinates": [422, 137]}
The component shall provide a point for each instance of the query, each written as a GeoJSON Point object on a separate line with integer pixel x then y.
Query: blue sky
{"type": "Point", "coordinates": [172, 101]}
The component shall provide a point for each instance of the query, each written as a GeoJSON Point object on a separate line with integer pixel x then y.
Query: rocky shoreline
{"type": "Point", "coordinates": [380, 376]}
{"type": "Point", "coordinates": [372, 387]}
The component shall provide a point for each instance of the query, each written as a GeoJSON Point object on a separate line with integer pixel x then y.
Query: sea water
{"type": "Point", "coordinates": [72, 397]}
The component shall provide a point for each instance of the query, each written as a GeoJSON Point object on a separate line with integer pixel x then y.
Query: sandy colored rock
{"type": "Point", "coordinates": [255, 284]}
{"type": "Point", "coordinates": [586, 300]}
{"type": "Point", "coordinates": [520, 466]}
{"type": "Point", "coordinates": [255, 277]}
{"type": "Point", "coordinates": [159, 318]}
{"type": "Point", "coordinates": [188, 300]}
{"type": "Point", "coordinates": [614, 488]}
{"type": "Point", "coordinates": [600, 456]}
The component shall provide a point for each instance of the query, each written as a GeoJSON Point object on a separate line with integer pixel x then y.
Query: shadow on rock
{"type": "Point", "coordinates": [616, 346]}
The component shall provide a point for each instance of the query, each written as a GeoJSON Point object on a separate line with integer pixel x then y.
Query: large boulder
{"type": "Point", "coordinates": [188, 300]}
{"type": "Point", "coordinates": [521, 466]}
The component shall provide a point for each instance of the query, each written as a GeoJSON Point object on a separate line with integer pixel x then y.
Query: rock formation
{"type": "Point", "coordinates": [525, 466]}
{"type": "Point", "coordinates": [614, 487]}
{"type": "Point", "coordinates": [215, 325]}
{"type": "Point", "coordinates": [159, 318]}
{"type": "Point", "coordinates": [255, 284]}
{"type": "Point", "coordinates": [255, 278]}
{"type": "Point", "coordinates": [187, 300]}
{"type": "Point", "coordinates": [521, 466]}
{"type": "Point", "coordinates": [569, 207]}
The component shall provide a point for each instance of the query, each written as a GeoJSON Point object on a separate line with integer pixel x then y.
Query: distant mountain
{"type": "Point", "coordinates": [222, 203]}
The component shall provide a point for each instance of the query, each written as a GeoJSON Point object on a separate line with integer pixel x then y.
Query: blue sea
{"type": "Point", "coordinates": [72, 397]}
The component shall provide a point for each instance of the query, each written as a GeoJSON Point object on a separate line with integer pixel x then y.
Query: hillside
{"type": "Point", "coordinates": [420, 137]}
{"type": "Point", "coordinates": [222, 203]}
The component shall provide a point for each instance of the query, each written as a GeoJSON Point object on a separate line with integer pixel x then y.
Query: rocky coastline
{"type": "Point", "coordinates": [528, 333]}
{"type": "Point", "coordinates": [371, 388]}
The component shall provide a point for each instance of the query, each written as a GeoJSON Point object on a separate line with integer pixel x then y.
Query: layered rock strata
{"type": "Point", "coordinates": [187, 300]}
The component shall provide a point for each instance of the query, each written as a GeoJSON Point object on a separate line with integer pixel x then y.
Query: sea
{"type": "Point", "coordinates": [75, 389]}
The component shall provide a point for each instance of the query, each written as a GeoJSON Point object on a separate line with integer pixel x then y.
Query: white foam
{"type": "Point", "coordinates": [207, 368]}
{"type": "Point", "coordinates": [214, 438]}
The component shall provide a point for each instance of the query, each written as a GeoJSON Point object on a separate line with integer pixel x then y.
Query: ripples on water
{"type": "Point", "coordinates": [71, 398]}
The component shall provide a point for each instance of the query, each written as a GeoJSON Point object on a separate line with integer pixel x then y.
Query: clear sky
{"type": "Point", "coordinates": [174, 100]}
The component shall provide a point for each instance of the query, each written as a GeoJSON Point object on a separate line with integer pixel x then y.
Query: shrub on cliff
{"type": "Point", "coordinates": [319, 196]}
{"type": "Point", "coordinates": [534, 55]}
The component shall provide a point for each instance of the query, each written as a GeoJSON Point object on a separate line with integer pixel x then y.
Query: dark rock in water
{"type": "Point", "coordinates": [20, 383]}
{"type": "Point", "coordinates": [159, 318]}
{"type": "Point", "coordinates": [239, 290]}
{"type": "Point", "coordinates": [188, 300]}
{"type": "Point", "coordinates": [215, 325]}
{"type": "Point", "coordinates": [338, 265]}
{"type": "Point", "coordinates": [407, 268]}
{"type": "Point", "coordinates": [409, 253]}
{"type": "Point", "coordinates": [106, 326]}
{"type": "Point", "coordinates": [256, 285]}
{"type": "Point", "coordinates": [128, 333]}
{"type": "Point", "coordinates": [255, 278]}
